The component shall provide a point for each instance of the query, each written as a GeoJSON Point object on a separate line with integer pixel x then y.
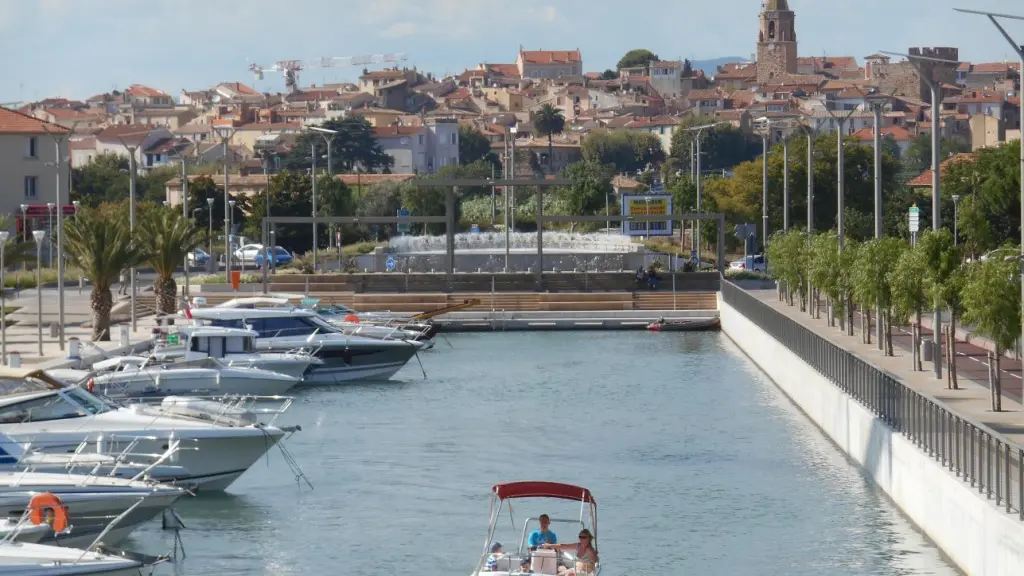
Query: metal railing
{"type": "Point", "coordinates": [978, 455]}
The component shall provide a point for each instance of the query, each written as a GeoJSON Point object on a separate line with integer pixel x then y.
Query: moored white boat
{"type": "Point", "coordinates": [35, 409]}
{"type": "Point", "coordinates": [25, 559]}
{"type": "Point", "coordinates": [235, 347]}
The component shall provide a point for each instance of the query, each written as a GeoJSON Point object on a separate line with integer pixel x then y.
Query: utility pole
{"type": "Point", "coordinates": [184, 211]}
{"type": "Point", "coordinates": [225, 133]}
{"type": "Point", "coordinates": [328, 136]}
{"type": "Point", "coordinates": [766, 133]}
{"type": "Point", "coordinates": [840, 119]}
{"type": "Point", "coordinates": [132, 175]}
{"type": "Point", "coordinates": [785, 183]}
{"type": "Point", "coordinates": [510, 220]}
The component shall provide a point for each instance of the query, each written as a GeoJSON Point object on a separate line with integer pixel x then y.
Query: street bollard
{"type": "Point", "coordinates": [74, 348]}
{"type": "Point", "coordinates": [14, 360]}
{"type": "Point", "coordinates": [122, 335]}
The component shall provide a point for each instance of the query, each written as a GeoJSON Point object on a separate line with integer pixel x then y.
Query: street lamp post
{"type": "Point", "coordinates": [766, 133]}
{"type": "Point", "coordinates": [49, 230]}
{"type": "Point", "coordinates": [697, 178]}
{"type": "Point", "coordinates": [231, 220]}
{"type": "Point", "coordinates": [328, 136]}
{"type": "Point", "coordinates": [225, 133]}
{"type": "Point", "coordinates": [956, 219]}
{"type": "Point", "coordinates": [24, 222]}
{"type": "Point", "coordinates": [510, 193]}
{"type": "Point", "coordinates": [1020, 54]}
{"type": "Point", "coordinates": [132, 175]}
{"type": "Point", "coordinates": [936, 96]}
{"type": "Point", "coordinates": [4, 235]}
{"type": "Point", "coordinates": [209, 203]}
{"type": "Point", "coordinates": [40, 237]}
{"type": "Point", "coordinates": [57, 140]}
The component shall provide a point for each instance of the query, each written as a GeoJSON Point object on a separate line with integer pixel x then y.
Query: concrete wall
{"type": "Point", "coordinates": [977, 535]}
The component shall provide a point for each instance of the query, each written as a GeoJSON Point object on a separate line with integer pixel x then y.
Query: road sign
{"type": "Point", "coordinates": [403, 227]}
{"type": "Point", "coordinates": [693, 257]}
{"type": "Point", "coordinates": [172, 339]}
{"type": "Point", "coordinates": [647, 205]}
{"type": "Point", "coordinates": [474, 229]}
{"type": "Point", "coordinates": [915, 216]}
{"type": "Point", "coordinates": [390, 263]}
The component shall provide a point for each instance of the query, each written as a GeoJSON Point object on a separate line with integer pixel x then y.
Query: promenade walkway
{"type": "Point", "coordinates": [972, 401]}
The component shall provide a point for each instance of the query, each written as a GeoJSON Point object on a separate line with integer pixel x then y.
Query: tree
{"type": "Point", "coordinates": [988, 185]}
{"type": "Point", "coordinates": [638, 57]}
{"type": "Point", "coordinates": [871, 286]}
{"type": "Point", "coordinates": [104, 179]}
{"type": "Point", "coordinates": [847, 258]}
{"type": "Point", "coordinates": [991, 301]}
{"type": "Point", "coordinates": [943, 281]}
{"type": "Point", "coordinates": [609, 74]}
{"type": "Point", "coordinates": [291, 194]}
{"type": "Point", "coordinates": [592, 184]}
{"type": "Point", "coordinates": [167, 237]}
{"type": "Point", "coordinates": [382, 199]}
{"type": "Point", "coordinates": [918, 156]}
{"type": "Point", "coordinates": [787, 252]}
{"type": "Point", "coordinates": [353, 146]}
{"type": "Point", "coordinates": [721, 148]}
{"type": "Point", "coordinates": [199, 190]}
{"type": "Point", "coordinates": [628, 151]}
{"type": "Point", "coordinates": [823, 270]}
{"type": "Point", "coordinates": [547, 122]}
{"type": "Point", "coordinates": [100, 244]}
{"type": "Point", "coordinates": [906, 281]}
{"type": "Point", "coordinates": [474, 146]}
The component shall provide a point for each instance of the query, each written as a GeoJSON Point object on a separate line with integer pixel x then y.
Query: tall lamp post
{"type": "Point", "coordinates": [132, 175]}
{"type": "Point", "coordinates": [936, 95]}
{"type": "Point", "coordinates": [956, 219]}
{"type": "Point", "coordinates": [209, 203]}
{"type": "Point", "coordinates": [49, 230]}
{"type": "Point", "coordinates": [510, 191]}
{"type": "Point", "coordinates": [328, 136]}
{"type": "Point", "coordinates": [4, 235]}
{"type": "Point", "coordinates": [40, 237]}
{"type": "Point", "coordinates": [697, 177]}
{"type": "Point", "coordinates": [225, 133]}
{"type": "Point", "coordinates": [59, 157]}
{"type": "Point", "coordinates": [766, 134]}
{"type": "Point", "coordinates": [1020, 54]}
{"type": "Point", "coordinates": [231, 220]}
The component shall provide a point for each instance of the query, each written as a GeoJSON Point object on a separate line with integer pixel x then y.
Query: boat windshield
{"type": "Point", "coordinates": [59, 405]}
{"type": "Point", "coordinates": [23, 385]}
{"type": "Point", "coordinates": [280, 326]}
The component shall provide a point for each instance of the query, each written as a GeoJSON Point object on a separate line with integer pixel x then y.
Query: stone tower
{"type": "Point", "coordinates": [776, 43]}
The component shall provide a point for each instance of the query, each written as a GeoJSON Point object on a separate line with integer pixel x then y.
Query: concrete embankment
{"type": "Point", "coordinates": [938, 475]}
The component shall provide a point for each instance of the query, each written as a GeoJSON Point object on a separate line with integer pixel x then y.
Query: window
{"type": "Point", "coordinates": [42, 409]}
{"type": "Point", "coordinates": [30, 186]}
{"type": "Point", "coordinates": [31, 148]}
{"type": "Point", "coordinates": [454, 160]}
{"type": "Point", "coordinates": [420, 140]}
{"type": "Point", "coordinates": [455, 138]}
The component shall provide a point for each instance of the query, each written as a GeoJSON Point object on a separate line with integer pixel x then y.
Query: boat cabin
{"type": "Point", "coordinates": [121, 364]}
{"type": "Point", "coordinates": [217, 342]}
{"type": "Point", "coordinates": [33, 396]}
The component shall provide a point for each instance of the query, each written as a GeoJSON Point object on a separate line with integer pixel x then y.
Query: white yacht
{"type": "Point", "coordinates": [345, 357]}
{"type": "Point", "coordinates": [35, 409]}
{"type": "Point", "coordinates": [89, 503]}
{"type": "Point", "coordinates": [141, 377]}
{"type": "Point", "coordinates": [24, 559]}
{"type": "Point", "coordinates": [236, 348]}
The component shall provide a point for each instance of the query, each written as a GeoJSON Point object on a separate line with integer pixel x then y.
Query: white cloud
{"type": "Point", "coordinates": [549, 13]}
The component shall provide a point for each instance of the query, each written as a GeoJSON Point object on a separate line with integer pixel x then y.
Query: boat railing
{"type": "Point", "coordinates": [230, 405]}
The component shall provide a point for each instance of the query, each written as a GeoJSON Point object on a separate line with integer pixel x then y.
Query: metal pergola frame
{"type": "Point", "coordinates": [449, 219]}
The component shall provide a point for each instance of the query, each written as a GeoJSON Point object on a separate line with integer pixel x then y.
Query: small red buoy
{"type": "Point", "coordinates": [352, 318]}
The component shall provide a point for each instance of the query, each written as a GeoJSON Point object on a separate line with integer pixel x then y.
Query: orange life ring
{"type": "Point", "coordinates": [352, 318]}
{"type": "Point", "coordinates": [90, 385]}
{"type": "Point", "coordinates": [41, 503]}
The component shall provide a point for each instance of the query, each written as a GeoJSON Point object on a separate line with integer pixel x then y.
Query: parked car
{"type": "Point", "coordinates": [256, 254]}
{"type": "Point", "coordinates": [753, 263]}
{"type": "Point", "coordinates": [198, 257]}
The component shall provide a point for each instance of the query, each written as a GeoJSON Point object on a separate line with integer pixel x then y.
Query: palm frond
{"type": "Point", "coordinates": [167, 237]}
{"type": "Point", "coordinates": [101, 245]}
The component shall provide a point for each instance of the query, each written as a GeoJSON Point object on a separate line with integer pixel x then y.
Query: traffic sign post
{"type": "Point", "coordinates": [914, 223]}
{"type": "Point", "coordinates": [390, 263]}
{"type": "Point", "coordinates": [693, 258]}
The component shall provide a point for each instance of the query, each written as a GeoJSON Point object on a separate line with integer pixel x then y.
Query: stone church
{"type": "Point", "coordinates": [776, 43]}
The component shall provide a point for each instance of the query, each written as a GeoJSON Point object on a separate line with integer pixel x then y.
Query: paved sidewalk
{"type": "Point", "coordinates": [972, 401]}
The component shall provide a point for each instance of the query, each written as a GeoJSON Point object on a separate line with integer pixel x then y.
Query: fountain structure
{"type": "Point", "coordinates": [485, 251]}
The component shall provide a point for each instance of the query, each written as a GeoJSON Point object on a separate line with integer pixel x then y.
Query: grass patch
{"type": "Point", "coordinates": [221, 279]}
{"type": "Point", "coordinates": [734, 274]}
{"type": "Point", "coordinates": [27, 279]}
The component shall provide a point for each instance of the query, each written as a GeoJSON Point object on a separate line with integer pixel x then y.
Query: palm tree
{"type": "Point", "coordinates": [100, 243]}
{"type": "Point", "coordinates": [548, 122]}
{"type": "Point", "coordinates": [167, 237]}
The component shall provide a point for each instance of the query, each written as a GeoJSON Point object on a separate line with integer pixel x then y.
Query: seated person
{"type": "Point", "coordinates": [586, 555]}
{"type": "Point", "coordinates": [542, 535]}
{"type": "Point", "coordinates": [492, 558]}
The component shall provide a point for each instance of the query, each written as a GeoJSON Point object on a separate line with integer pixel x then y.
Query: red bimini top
{"type": "Point", "coordinates": [534, 489]}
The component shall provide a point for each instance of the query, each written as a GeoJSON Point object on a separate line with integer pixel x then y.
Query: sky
{"type": "Point", "coordinates": [78, 48]}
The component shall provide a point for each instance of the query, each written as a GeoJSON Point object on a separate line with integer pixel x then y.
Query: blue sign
{"type": "Point", "coordinates": [647, 205]}
{"type": "Point", "coordinates": [474, 229]}
{"type": "Point", "coordinates": [693, 256]}
{"type": "Point", "coordinates": [404, 227]}
{"type": "Point", "coordinates": [390, 263]}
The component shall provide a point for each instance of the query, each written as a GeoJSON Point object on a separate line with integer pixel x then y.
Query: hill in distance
{"type": "Point", "coordinates": [711, 66]}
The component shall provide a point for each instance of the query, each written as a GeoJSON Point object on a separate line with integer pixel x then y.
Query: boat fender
{"type": "Point", "coordinates": [48, 508]}
{"type": "Point", "coordinates": [91, 384]}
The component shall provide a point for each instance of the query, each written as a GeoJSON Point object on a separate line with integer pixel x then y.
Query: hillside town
{"type": "Point", "coordinates": [547, 101]}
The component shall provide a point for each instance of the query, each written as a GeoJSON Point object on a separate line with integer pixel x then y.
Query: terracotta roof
{"type": "Point", "coordinates": [652, 121]}
{"type": "Point", "coordinates": [382, 75]}
{"type": "Point", "coordinates": [270, 126]}
{"type": "Point", "coordinates": [897, 133]}
{"type": "Point", "coordinates": [240, 88]}
{"type": "Point", "coordinates": [13, 122]}
{"type": "Point", "coordinates": [991, 67]}
{"type": "Point", "coordinates": [981, 98]}
{"type": "Point", "coordinates": [621, 182]}
{"type": "Point", "coordinates": [507, 70]}
{"type": "Point", "coordinates": [396, 131]}
{"type": "Point", "coordinates": [144, 91]}
{"type": "Point", "coordinates": [735, 71]}
{"type": "Point", "coordinates": [130, 133]}
{"type": "Point", "coordinates": [925, 179]}
{"type": "Point", "coordinates": [84, 143]}
{"type": "Point", "coordinates": [551, 56]}
{"type": "Point", "coordinates": [66, 113]}
{"type": "Point", "coordinates": [712, 94]}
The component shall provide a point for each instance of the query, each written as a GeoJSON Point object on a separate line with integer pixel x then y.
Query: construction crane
{"type": "Point", "coordinates": [291, 68]}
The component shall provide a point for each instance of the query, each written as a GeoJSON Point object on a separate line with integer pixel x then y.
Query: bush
{"type": "Point", "coordinates": [734, 274]}
{"type": "Point", "coordinates": [221, 279]}
{"type": "Point", "coordinates": [27, 279]}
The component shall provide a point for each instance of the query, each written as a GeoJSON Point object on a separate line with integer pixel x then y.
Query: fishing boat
{"type": "Point", "coordinates": [496, 560]}
{"type": "Point", "coordinates": [684, 325]}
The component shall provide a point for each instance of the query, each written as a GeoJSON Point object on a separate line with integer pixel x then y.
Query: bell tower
{"type": "Point", "coordinates": [776, 43]}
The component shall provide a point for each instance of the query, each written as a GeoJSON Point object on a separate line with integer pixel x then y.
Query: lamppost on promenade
{"type": "Point", "coordinates": [40, 237]}
{"type": "Point", "coordinates": [225, 133]}
{"type": "Point", "coordinates": [4, 235]}
{"type": "Point", "coordinates": [1020, 54]}
{"type": "Point", "coordinates": [766, 134]}
{"type": "Point", "coordinates": [328, 136]}
{"type": "Point", "coordinates": [132, 176]}
{"type": "Point", "coordinates": [697, 132]}
{"type": "Point", "coordinates": [924, 72]}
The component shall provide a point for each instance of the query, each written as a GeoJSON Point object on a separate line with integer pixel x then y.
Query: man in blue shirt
{"type": "Point", "coordinates": [543, 535]}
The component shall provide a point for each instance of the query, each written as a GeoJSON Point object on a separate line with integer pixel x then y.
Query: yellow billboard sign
{"type": "Point", "coordinates": [647, 205]}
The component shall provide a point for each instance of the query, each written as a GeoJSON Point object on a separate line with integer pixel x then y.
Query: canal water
{"type": "Point", "coordinates": [699, 466]}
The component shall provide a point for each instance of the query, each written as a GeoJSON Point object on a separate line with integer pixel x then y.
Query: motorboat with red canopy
{"type": "Point", "coordinates": [524, 560]}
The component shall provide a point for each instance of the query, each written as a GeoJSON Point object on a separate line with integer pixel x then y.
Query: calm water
{"type": "Point", "coordinates": [699, 466]}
